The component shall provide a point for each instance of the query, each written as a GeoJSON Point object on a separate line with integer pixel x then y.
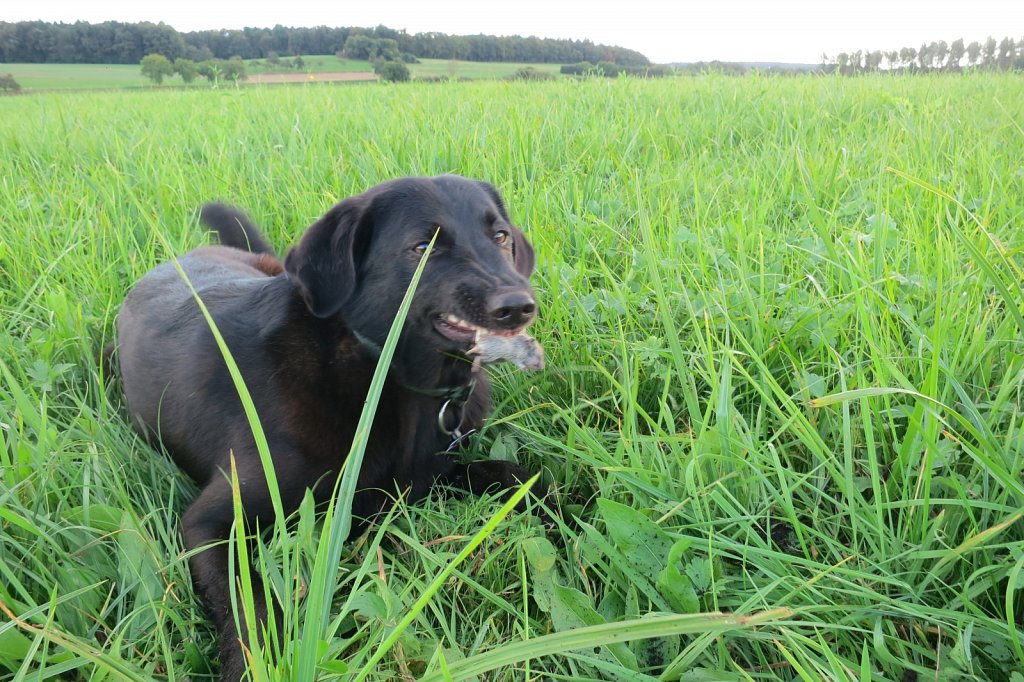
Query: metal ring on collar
{"type": "Point", "coordinates": [441, 415]}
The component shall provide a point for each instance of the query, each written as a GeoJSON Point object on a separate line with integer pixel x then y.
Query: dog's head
{"type": "Point", "coordinates": [358, 259]}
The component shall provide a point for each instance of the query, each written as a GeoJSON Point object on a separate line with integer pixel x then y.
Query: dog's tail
{"type": "Point", "coordinates": [234, 228]}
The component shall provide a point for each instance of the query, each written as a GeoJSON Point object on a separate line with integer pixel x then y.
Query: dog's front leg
{"type": "Point", "coordinates": [491, 477]}
{"type": "Point", "coordinates": [206, 526]}
{"type": "Point", "coordinates": [501, 478]}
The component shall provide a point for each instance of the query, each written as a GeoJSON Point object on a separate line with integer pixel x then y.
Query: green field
{"type": "Point", "coordinates": [434, 68]}
{"type": "Point", "coordinates": [310, 64]}
{"type": "Point", "coordinates": [112, 76]}
{"type": "Point", "coordinates": [426, 68]}
{"type": "Point", "coordinates": [783, 323]}
{"type": "Point", "coordinates": [76, 76]}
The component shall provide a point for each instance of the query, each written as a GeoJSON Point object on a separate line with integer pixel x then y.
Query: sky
{"type": "Point", "coordinates": [664, 30]}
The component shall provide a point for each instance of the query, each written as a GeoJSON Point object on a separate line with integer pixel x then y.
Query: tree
{"type": "Point", "coordinates": [529, 73]}
{"type": "Point", "coordinates": [988, 53]}
{"type": "Point", "coordinates": [186, 68]}
{"type": "Point", "coordinates": [387, 49]}
{"type": "Point", "coordinates": [579, 69]}
{"type": "Point", "coordinates": [855, 61]}
{"type": "Point", "coordinates": [209, 70]}
{"type": "Point", "coordinates": [161, 39]}
{"type": "Point", "coordinates": [842, 61]}
{"type": "Point", "coordinates": [358, 46]}
{"type": "Point", "coordinates": [8, 85]}
{"type": "Point", "coordinates": [199, 54]}
{"type": "Point", "coordinates": [392, 71]}
{"type": "Point", "coordinates": [973, 53]}
{"type": "Point", "coordinates": [924, 56]}
{"type": "Point", "coordinates": [127, 44]}
{"type": "Point", "coordinates": [362, 46]}
{"type": "Point", "coordinates": [907, 56]}
{"type": "Point", "coordinates": [956, 53]}
{"type": "Point", "coordinates": [1007, 51]}
{"type": "Point", "coordinates": [941, 49]}
{"type": "Point", "coordinates": [156, 67]}
{"type": "Point", "coordinates": [232, 69]}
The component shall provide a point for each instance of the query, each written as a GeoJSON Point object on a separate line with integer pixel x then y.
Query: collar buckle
{"type": "Point", "coordinates": [454, 405]}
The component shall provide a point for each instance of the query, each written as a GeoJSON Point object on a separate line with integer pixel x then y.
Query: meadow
{"type": "Point", "coordinates": [781, 416]}
{"type": "Point", "coordinates": [111, 76]}
{"type": "Point", "coordinates": [76, 76]}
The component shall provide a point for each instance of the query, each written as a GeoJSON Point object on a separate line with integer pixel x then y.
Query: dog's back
{"type": "Point", "coordinates": [165, 346]}
{"type": "Point", "coordinates": [235, 230]}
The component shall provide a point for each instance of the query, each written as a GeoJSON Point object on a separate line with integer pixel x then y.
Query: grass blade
{"type": "Point", "coordinates": [602, 635]}
{"type": "Point", "coordinates": [338, 518]}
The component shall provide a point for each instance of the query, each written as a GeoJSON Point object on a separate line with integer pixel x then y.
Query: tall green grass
{"type": "Point", "coordinates": [782, 321]}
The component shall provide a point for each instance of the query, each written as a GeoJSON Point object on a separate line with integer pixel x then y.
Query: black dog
{"type": "Point", "coordinates": [306, 336]}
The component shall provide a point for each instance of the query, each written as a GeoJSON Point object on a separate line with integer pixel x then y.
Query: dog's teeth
{"type": "Point", "coordinates": [459, 322]}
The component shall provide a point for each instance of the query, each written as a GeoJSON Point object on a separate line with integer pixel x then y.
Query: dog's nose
{"type": "Point", "coordinates": [510, 309]}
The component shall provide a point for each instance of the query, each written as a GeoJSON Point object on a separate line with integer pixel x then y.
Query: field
{"type": "Point", "coordinates": [426, 68]}
{"type": "Point", "coordinates": [76, 76]}
{"type": "Point", "coordinates": [310, 63]}
{"type": "Point", "coordinates": [783, 321]}
{"type": "Point", "coordinates": [436, 68]}
{"type": "Point", "coordinates": [111, 76]}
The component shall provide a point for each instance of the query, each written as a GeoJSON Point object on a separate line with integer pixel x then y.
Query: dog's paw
{"type": "Point", "coordinates": [494, 477]}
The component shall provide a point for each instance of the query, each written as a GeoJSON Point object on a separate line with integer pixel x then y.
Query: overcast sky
{"type": "Point", "coordinates": [684, 30]}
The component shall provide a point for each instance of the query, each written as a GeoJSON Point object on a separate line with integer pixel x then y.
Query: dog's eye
{"type": "Point", "coordinates": [501, 237]}
{"type": "Point", "coordinates": [421, 248]}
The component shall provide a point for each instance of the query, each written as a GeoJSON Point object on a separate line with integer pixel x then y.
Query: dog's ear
{"type": "Point", "coordinates": [522, 252]}
{"type": "Point", "coordinates": [323, 263]}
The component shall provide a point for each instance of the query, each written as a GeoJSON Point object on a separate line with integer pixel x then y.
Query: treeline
{"type": "Point", "coordinates": [610, 70]}
{"type": "Point", "coordinates": [114, 42]}
{"type": "Point", "coordinates": [990, 55]}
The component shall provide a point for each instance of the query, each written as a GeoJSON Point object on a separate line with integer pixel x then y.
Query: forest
{"type": "Point", "coordinates": [114, 42]}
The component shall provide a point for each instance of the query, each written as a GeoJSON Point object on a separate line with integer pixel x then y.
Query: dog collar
{"type": "Point", "coordinates": [453, 410]}
{"type": "Point", "coordinates": [459, 394]}
{"type": "Point", "coordinates": [453, 395]}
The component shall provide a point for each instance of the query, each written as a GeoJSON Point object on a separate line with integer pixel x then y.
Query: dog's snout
{"type": "Point", "coordinates": [511, 309]}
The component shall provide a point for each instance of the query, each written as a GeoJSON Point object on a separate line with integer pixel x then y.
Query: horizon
{"type": "Point", "coordinates": [784, 31]}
